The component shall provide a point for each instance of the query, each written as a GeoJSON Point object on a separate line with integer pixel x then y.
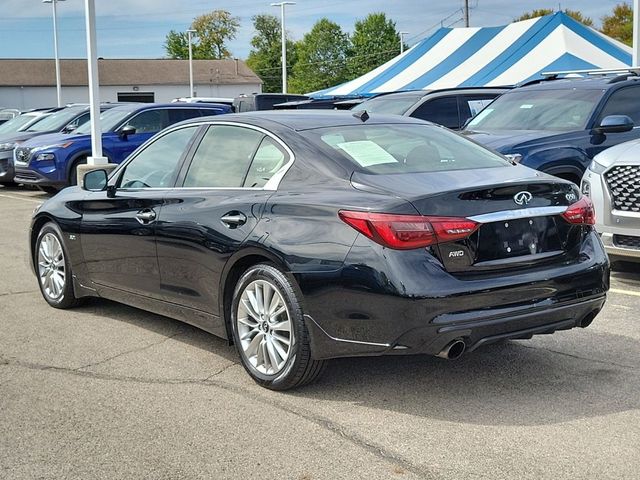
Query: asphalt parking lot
{"type": "Point", "coordinates": [108, 391]}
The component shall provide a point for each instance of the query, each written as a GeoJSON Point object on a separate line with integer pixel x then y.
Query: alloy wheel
{"type": "Point", "coordinates": [51, 266]}
{"type": "Point", "coordinates": [264, 327]}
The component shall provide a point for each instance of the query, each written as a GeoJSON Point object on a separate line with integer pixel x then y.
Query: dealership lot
{"type": "Point", "coordinates": [108, 391]}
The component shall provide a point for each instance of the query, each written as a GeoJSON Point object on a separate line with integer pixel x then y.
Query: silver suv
{"type": "Point", "coordinates": [613, 183]}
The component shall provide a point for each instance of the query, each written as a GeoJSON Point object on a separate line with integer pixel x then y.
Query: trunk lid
{"type": "Point", "coordinates": [519, 212]}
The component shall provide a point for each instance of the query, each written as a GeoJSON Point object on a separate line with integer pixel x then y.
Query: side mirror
{"type": "Point", "coordinates": [126, 131]}
{"type": "Point", "coordinates": [615, 124]}
{"type": "Point", "coordinates": [69, 128]}
{"type": "Point", "coordinates": [95, 180]}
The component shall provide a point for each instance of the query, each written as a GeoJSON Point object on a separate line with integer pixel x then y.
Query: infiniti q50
{"type": "Point", "coordinates": [305, 236]}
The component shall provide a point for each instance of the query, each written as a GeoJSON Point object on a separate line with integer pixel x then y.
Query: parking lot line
{"type": "Point", "coordinates": [625, 292]}
{"type": "Point", "coordinates": [24, 199]}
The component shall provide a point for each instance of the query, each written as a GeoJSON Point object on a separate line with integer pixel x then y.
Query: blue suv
{"type": "Point", "coordinates": [558, 125]}
{"type": "Point", "coordinates": [50, 161]}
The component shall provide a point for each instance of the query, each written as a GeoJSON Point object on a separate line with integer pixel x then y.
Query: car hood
{"type": "Point", "coordinates": [17, 137]}
{"type": "Point", "coordinates": [627, 153]}
{"type": "Point", "coordinates": [505, 140]}
{"type": "Point", "coordinates": [53, 139]}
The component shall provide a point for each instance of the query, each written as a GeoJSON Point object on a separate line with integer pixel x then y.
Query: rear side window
{"type": "Point", "coordinates": [269, 158]}
{"type": "Point", "coordinates": [404, 148]}
{"type": "Point", "coordinates": [625, 101]}
{"type": "Point", "coordinates": [223, 157]}
{"type": "Point", "coordinates": [179, 114]}
{"type": "Point", "coordinates": [443, 111]}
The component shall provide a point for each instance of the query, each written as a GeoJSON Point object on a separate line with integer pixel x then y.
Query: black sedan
{"type": "Point", "coordinates": [304, 236]}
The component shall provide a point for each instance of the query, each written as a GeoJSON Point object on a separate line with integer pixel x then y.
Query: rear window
{"type": "Point", "coordinates": [389, 105]}
{"type": "Point", "coordinates": [402, 148]}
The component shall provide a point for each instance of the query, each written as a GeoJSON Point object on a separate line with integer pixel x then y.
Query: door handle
{"type": "Point", "coordinates": [234, 219]}
{"type": "Point", "coordinates": [146, 216]}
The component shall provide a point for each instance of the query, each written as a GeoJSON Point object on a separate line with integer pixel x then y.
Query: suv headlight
{"type": "Point", "coordinates": [597, 168]}
{"type": "Point", "coordinates": [7, 146]}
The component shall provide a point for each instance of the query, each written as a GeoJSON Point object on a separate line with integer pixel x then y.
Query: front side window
{"type": "Point", "coordinates": [223, 157]}
{"type": "Point", "coordinates": [156, 166]}
{"type": "Point", "coordinates": [150, 121]}
{"type": "Point", "coordinates": [404, 148]}
{"type": "Point", "coordinates": [625, 101]}
{"type": "Point", "coordinates": [556, 110]}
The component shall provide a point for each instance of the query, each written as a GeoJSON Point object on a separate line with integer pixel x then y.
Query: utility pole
{"type": "Point", "coordinates": [55, 48]}
{"type": "Point", "coordinates": [189, 33]}
{"type": "Point", "coordinates": [402, 34]}
{"type": "Point", "coordinates": [466, 13]}
{"type": "Point", "coordinates": [636, 32]}
{"type": "Point", "coordinates": [284, 42]}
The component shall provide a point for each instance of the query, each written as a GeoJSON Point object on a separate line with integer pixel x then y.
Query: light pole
{"type": "Point", "coordinates": [55, 48]}
{"type": "Point", "coordinates": [636, 33]}
{"type": "Point", "coordinates": [284, 42]}
{"type": "Point", "coordinates": [190, 32]}
{"type": "Point", "coordinates": [402, 34]}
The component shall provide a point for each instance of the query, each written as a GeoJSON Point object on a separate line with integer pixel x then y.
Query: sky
{"type": "Point", "coordinates": [137, 28]}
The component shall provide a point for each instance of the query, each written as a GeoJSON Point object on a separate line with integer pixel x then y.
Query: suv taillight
{"type": "Point", "coordinates": [404, 232]}
{"type": "Point", "coordinates": [581, 212]}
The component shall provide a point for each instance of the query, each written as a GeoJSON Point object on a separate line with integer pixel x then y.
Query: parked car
{"type": "Point", "coordinates": [51, 161]}
{"type": "Point", "coordinates": [448, 107]}
{"type": "Point", "coordinates": [612, 181]}
{"type": "Point", "coordinates": [263, 101]}
{"type": "Point", "coordinates": [34, 124]}
{"type": "Point", "coordinates": [304, 236]}
{"type": "Point", "coordinates": [223, 100]}
{"type": "Point", "coordinates": [558, 126]}
{"type": "Point", "coordinates": [7, 114]}
{"type": "Point", "coordinates": [335, 103]}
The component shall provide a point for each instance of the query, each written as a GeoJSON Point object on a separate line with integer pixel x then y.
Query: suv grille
{"type": "Point", "coordinates": [626, 241]}
{"type": "Point", "coordinates": [22, 155]}
{"type": "Point", "coordinates": [624, 184]}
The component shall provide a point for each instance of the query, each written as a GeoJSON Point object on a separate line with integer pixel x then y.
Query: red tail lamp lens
{"type": "Point", "coordinates": [581, 212]}
{"type": "Point", "coordinates": [404, 232]}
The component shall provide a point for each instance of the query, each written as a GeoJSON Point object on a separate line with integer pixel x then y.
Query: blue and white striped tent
{"type": "Point", "coordinates": [491, 56]}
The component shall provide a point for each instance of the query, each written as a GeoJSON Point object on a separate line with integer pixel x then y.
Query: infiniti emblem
{"type": "Point", "coordinates": [522, 198]}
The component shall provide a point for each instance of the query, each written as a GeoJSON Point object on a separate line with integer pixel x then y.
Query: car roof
{"type": "Point", "coordinates": [138, 107]}
{"type": "Point", "coordinates": [456, 90]}
{"type": "Point", "coordinates": [601, 82]}
{"type": "Point", "coordinates": [308, 119]}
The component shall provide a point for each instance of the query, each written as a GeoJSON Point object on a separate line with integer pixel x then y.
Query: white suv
{"type": "Point", "coordinates": [613, 183]}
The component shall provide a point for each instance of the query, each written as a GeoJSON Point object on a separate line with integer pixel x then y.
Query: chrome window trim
{"type": "Point", "coordinates": [271, 185]}
{"type": "Point", "coordinates": [516, 214]}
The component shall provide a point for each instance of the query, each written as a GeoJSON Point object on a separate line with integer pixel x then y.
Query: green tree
{"type": "Point", "coordinates": [212, 32]}
{"type": "Point", "coordinates": [619, 24]}
{"type": "Point", "coordinates": [177, 45]}
{"type": "Point", "coordinates": [375, 41]}
{"type": "Point", "coordinates": [540, 12]}
{"type": "Point", "coordinates": [322, 58]}
{"type": "Point", "coordinates": [266, 52]}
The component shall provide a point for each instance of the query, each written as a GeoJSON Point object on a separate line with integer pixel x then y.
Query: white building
{"type": "Point", "coordinates": [29, 83]}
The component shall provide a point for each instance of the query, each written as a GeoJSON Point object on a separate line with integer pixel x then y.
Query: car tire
{"type": "Point", "coordinates": [73, 174]}
{"type": "Point", "coordinates": [53, 268]}
{"type": "Point", "coordinates": [267, 322]}
{"type": "Point", "coordinates": [9, 184]}
{"type": "Point", "coordinates": [49, 190]}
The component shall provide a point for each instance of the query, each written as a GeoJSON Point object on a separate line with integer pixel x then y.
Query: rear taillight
{"type": "Point", "coordinates": [404, 232]}
{"type": "Point", "coordinates": [581, 212]}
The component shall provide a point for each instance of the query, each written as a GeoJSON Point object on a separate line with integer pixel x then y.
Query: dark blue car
{"type": "Point", "coordinates": [558, 126]}
{"type": "Point", "coordinates": [50, 161]}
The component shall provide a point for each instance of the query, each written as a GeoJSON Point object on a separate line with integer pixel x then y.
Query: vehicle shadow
{"type": "Point", "coordinates": [512, 383]}
{"type": "Point", "coordinates": [158, 324]}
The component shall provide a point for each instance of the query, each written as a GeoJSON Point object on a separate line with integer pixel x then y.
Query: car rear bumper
{"type": "Point", "coordinates": [619, 250]}
{"type": "Point", "coordinates": [413, 306]}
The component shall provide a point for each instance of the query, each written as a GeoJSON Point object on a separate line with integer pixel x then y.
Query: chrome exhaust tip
{"type": "Point", "coordinates": [453, 350]}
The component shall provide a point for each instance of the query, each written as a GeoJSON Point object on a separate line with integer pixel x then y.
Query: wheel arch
{"type": "Point", "coordinates": [239, 263]}
{"type": "Point", "coordinates": [38, 223]}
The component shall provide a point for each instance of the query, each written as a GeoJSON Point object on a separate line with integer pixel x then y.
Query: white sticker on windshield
{"type": "Point", "coordinates": [526, 105]}
{"type": "Point", "coordinates": [367, 153]}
